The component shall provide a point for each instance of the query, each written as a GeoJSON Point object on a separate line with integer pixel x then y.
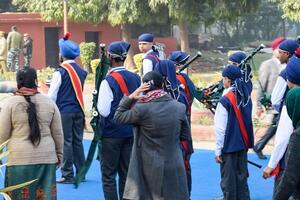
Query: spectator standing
{"type": "Point", "coordinates": [3, 53]}
{"type": "Point", "coordinates": [27, 49]}
{"type": "Point", "coordinates": [14, 44]}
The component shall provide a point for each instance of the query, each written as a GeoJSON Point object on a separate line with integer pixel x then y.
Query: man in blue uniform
{"type": "Point", "coordinates": [180, 58]}
{"type": "Point", "coordinates": [234, 135]}
{"type": "Point", "coordinates": [117, 138]}
{"type": "Point", "coordinates": [151, 57]}
{"type": "Point", "coordinates": [286, 49]}
{"type": "Point", "coordinates": [66, 90]}
{"type": "Point", "coordinates": [236, 59]}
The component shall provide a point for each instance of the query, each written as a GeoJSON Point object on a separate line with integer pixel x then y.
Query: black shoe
{"type": "Point", "coordinates": [64, 180]}
{"type": "Point", "coordinates": [260, 154]}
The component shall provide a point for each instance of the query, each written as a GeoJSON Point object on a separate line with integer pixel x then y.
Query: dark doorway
{"type": "Point", "coordinates": [51, 45]}
{"type": "Point", "coordinates": [93, 37]}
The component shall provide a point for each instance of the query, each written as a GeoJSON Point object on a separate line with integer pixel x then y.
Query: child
{"type": "Point", "coordinates": [234, 134]}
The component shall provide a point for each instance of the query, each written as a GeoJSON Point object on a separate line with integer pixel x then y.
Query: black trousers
{"type": "Point", "coordinates": [73, 148]}
{"type": "Point", "coordinates": [234, 175]}
{"type": "Point", "coordinates": [261, 143]}
{"type": "Point", "coordinates": [115, 155]}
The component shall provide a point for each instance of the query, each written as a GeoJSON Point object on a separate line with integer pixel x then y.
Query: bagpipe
{"type": "Point", "coordinates": [265, 99]}
{"type": "Point", "coordinates": [210, 96]}
{"type": "Point", "coordinates": [101, 72]}
{"type": "Point", "coordinates": [187, 64]}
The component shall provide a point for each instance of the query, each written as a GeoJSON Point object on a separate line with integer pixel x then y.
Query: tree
{"type": "Point", "coordinates": [116, 12]}
{"type": "Point", "coordinates": [182, 12]}
{"type": "Point", "coordinates": [205, 11]}
{"type": "Point", "coordinates": [87, 51]}
{"type": "Point", "coordinates": [229, 17]}
{"type": "Point", "coordinates": [264, 24]}
{"type": "Point", "coordinates": [231, 9]}
{"type": "Point", "coordinates": [78, 11]}
{"type": "Point", "coordinates": [291, 9]}
{"type": "Point", "coordinates": [6, 6]}
{"type": "Point", "coordinates": [124, 13]}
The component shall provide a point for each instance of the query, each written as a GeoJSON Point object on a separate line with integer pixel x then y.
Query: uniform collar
{"type": "Point", "coordinates": [148, 52]}
{"type": "Point", "coordinates": [227, 90]}
{"type": "Point", "coordinates": [68, 61]}
{"type": "Point", "coordinates": [117, 69]}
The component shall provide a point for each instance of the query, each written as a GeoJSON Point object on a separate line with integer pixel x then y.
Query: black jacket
{"type": "Point", "coordinates": [27, 47]}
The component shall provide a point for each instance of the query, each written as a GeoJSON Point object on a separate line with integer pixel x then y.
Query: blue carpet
{"type": "Point", "coordinates": [206, 180]}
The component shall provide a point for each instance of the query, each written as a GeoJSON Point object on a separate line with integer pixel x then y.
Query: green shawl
{"type": "Point", "coordinates": [293, 106]}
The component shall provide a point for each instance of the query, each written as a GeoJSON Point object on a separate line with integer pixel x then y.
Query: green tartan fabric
{"type": "Point", "coordinates": [42, 189]}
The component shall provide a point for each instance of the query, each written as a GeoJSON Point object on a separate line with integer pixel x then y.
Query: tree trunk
{"type": "Point", "coordinates": [283, 28]}
{"type": "Point", "coordinates": [237, 32]}
{"type": "Point", "coordinates": [126, 36]}
{"type": "Point", "coordinates": [184, 37]}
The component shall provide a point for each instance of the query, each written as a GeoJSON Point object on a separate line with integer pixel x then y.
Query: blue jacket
{"type": "Point", "coordinates": [233, 141]}
{"type": "Point", "coordinates": [109, 127]}
{"type": "Point", "coordinates": [66, 99]}
{"type": "Point", "coordinates": [153, 57]}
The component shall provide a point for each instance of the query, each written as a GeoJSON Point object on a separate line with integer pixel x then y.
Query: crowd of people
{"type": "Point", "coordinates": [142, 145]}
{"type": "Point", "coordinates": [11, 47]}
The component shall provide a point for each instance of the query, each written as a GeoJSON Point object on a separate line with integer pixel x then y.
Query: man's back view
{"type": "Point", "coordinates": [14, 41]}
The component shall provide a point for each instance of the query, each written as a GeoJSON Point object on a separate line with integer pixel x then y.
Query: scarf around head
{"type": "Point", "coordinates": [168, 70]}
{"type": "Point", "coordinates": [293, 106]}
{"type": "Point", "coordinates": [240, 88]}
{"type": "Point", "coordinates": [152, 95]}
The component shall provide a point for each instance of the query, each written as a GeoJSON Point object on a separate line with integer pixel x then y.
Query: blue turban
{"type": "Point", "coordinates": [68, 48]}
{"type": "Point", "coordinates": [241, 90]}
{"type": "Point", "coordinates": [118, 49]}
{"type": "Point", "coordinates": [146, 37]}
{"type": "Point", "coordinates": [179, 57]}
{"type": "Point", "coordinates": [232, 72]}
{"type": "Point", "coordinates": [293, 70]}
{"type": "Point", "coordinates": [289, 46]}
{"type": "Point", "coordinates": [237, 57]}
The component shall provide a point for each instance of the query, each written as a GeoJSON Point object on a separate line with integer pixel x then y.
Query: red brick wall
{"type": "Point", "coordinates": [31, 23]}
